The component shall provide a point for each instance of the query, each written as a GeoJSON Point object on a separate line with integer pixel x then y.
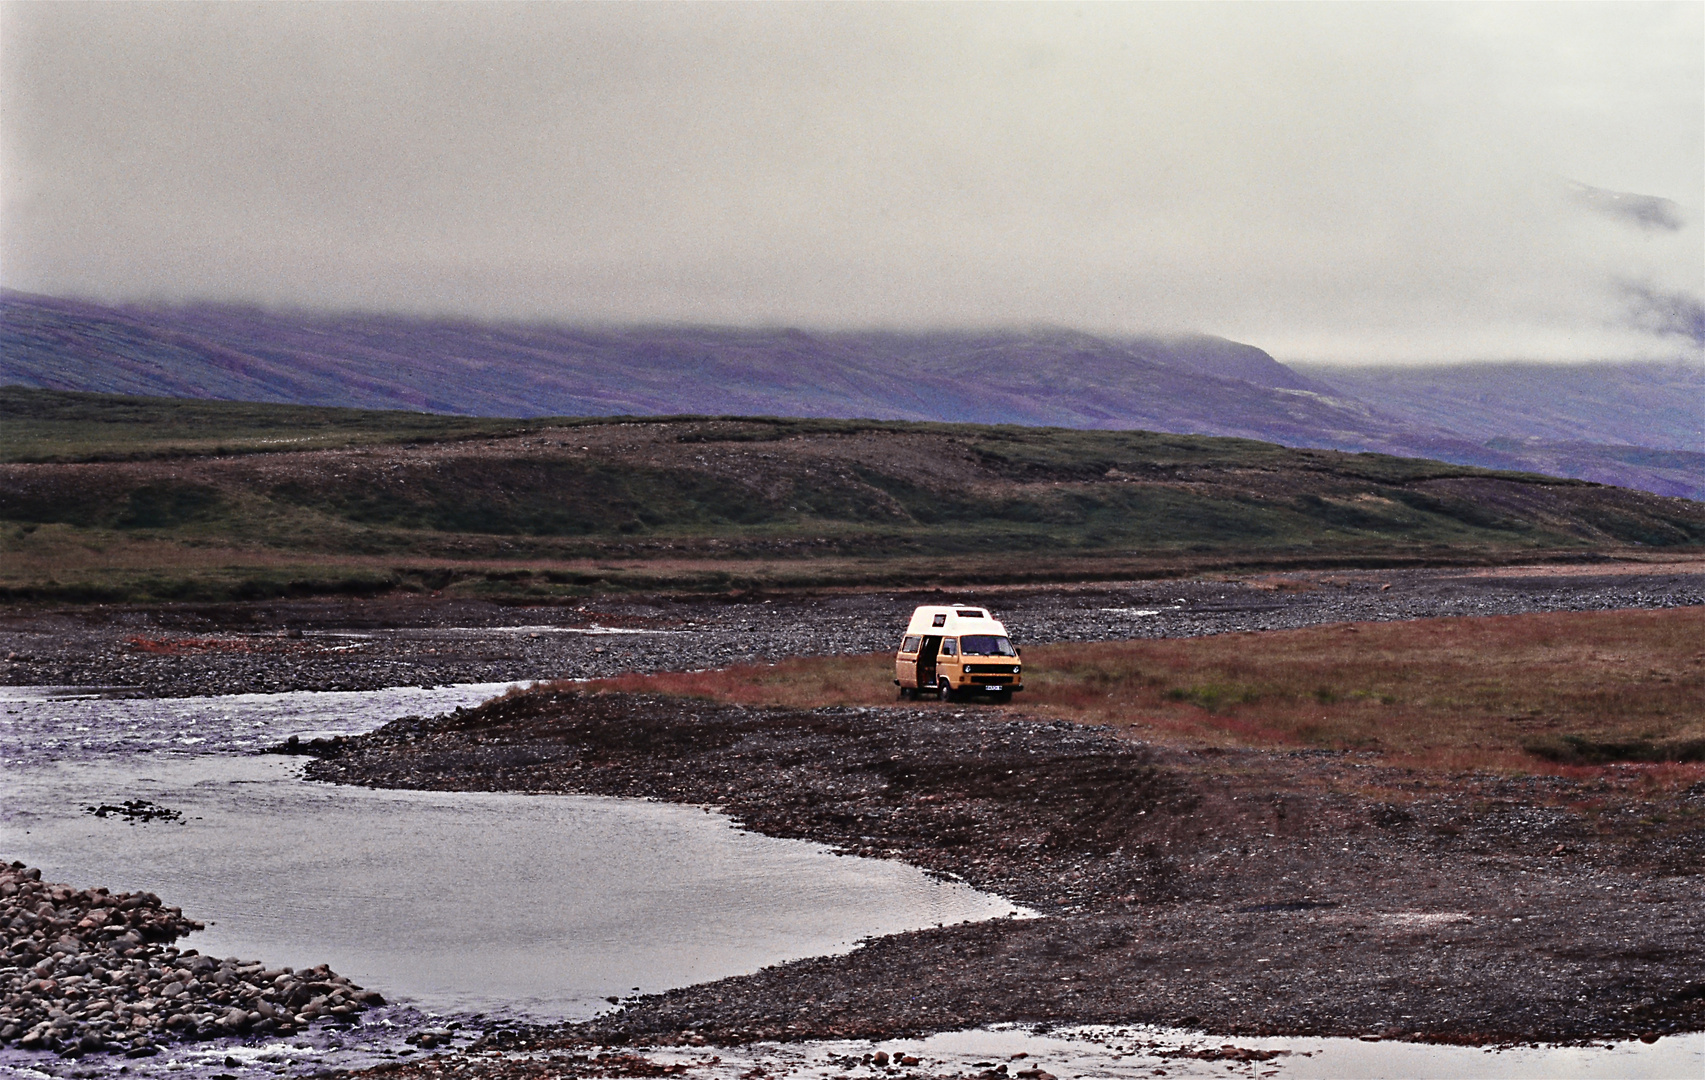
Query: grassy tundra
{"type": "Point", "coordinates": [131, 499]}
{"type": "Point", "coordinates": [1559, 692]}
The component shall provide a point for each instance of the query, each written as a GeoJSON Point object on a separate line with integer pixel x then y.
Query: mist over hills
{"type": "Point", "coordinates": [1054, 377]}
{"type": "Point", "coordinates": [1632, 425]}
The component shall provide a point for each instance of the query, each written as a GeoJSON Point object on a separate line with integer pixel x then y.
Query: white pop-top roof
{"type": "Point", "coordinates": [954, 620]}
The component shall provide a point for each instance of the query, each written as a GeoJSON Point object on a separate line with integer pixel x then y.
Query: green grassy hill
{"type": "Point", "coordinates": [58, 426]}
{"type": "Point", "coordinates": [124, 498]}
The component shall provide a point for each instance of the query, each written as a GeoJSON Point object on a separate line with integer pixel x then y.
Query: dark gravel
{"type": "Point", "coordinates": [170, 651]}
{"type": "Point", "coordinates": [1245, 893]}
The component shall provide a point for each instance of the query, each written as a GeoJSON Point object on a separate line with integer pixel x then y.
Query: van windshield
{"type": "Point", "coordinates": [985, 645]}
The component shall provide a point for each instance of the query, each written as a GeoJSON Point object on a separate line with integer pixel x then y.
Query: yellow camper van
{"type": "Point", "coordinates": [957, 650]}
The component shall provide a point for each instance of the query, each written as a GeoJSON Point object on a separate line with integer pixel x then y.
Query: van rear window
{"type": "Point", "coordinates": [910, 645]}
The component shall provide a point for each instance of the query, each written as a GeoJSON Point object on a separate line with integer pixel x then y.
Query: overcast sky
{"type": "Point", "coordinates": [1339, 182]}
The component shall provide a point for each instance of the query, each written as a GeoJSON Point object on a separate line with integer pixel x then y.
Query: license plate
{"type": "Point", "coordinates": [994, 688]}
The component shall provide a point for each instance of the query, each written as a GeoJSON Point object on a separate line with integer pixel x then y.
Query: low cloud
{"type": "Point", "coordinates": [1337, 182]}
{"type": "Point", "coordinates": [1641, 211]}
{"type": "Point", "coordinates": [1667, 314]}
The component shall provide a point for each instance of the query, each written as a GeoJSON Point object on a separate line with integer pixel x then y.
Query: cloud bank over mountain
{"type": "Point", "coordinates": [1337, 182]}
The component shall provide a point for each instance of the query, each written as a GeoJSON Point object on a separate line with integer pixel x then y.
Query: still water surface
{"type": "Point", "coordinates": [453, 901]}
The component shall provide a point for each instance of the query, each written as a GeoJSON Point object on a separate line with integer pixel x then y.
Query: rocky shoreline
{"type": "Point", "coordinates": [1243, 892]}
{"type": "Point", "coordinates": [88, 971]}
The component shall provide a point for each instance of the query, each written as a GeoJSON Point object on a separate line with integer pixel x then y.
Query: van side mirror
{"type": "Point", "coordinates": [1019, 649]}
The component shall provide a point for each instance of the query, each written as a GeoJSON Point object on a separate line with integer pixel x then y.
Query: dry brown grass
{"type": "Point", "coordinates": [1555, 692]}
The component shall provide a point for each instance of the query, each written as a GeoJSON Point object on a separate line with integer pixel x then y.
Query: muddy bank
{"type": "Point", "coordinates": [1244, 893]}
{"type": "Point", "coordinates": [344, 644]}
{"type": "Point", "coordinates": [88, 971]}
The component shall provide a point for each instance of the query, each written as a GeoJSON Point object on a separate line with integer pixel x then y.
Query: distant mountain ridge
{"type": "Point", "coordinates": [1049, 377]}
{"type": "Point", "coordinates": [1654, 404]}
{"type": "Point", "coordinates": [533, 370]}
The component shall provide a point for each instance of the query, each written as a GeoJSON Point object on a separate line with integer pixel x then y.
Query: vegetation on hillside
{"type": "Point", "coordinates": [117, 498]}
{"type": "Point", "coordinates": [58, 426]}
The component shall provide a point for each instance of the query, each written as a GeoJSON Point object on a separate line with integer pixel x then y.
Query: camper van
{"type": "Point", "coordinates": [957, 650]}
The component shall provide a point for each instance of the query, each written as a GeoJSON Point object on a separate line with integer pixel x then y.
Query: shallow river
{"type": "Point", "coordinates": [540, 906]}
{"type": "Point", "coordinates": [453, 904]}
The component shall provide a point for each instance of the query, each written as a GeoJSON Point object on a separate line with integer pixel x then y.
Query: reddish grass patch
{"type": "Point", "coordinates": [1562, 689]}
{"type": "Point", "coordinates": [1571, 693]}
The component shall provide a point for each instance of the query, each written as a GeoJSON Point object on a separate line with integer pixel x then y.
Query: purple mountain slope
{"type": "Point", "coordinates": [1660, 405]}
{"type": "Point", "coordinates": [1194, 384]}
{"type": "Point", "coordinates": [1040, 377]}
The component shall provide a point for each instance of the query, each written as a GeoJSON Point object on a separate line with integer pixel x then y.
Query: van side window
{"type": "Point", "coordinates": [939, 620]}
{"type": "Point", "coordinates": [910, 645]}
{"type": "Point", "coordinates": [949, 647]}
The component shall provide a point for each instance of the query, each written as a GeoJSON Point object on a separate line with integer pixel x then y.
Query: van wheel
{"type": "Point", "coordinates": [946, 689]}
{"type": "Point", "coordinates": [907, 693]}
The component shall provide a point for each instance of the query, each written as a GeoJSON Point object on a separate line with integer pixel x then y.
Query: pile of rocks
{"type": "Point", "coordinates": [88, 971]}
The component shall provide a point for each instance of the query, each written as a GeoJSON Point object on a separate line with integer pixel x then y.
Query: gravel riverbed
{"type": "Point", "coordinates": [1247, 893]}
{"type": "Point", "coordinates": [186, 650]}
{"type": "Point", "coordinates": [1243, 893]}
